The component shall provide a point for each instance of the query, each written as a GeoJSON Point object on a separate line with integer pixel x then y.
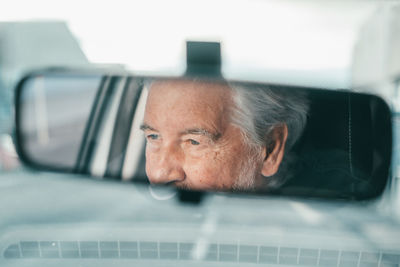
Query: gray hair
{"type": "Point", "coordinates": [259, 109]}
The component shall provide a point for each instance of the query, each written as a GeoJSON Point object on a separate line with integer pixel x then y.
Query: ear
{"type": "Point", "coordinates": [273, 153]}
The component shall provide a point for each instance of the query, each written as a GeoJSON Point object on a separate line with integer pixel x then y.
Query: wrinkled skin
{"type": "Point", "coordinates": [191, 142]}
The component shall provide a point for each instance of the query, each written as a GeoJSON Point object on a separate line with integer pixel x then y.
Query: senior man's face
{"type": "Point", "coordinates": [191, 142]}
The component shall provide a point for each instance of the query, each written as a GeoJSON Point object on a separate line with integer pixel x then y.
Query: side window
{"type": "Point", "coordinates": [134, 157]}
{"type": "Point", "coordinates": [118, 144]}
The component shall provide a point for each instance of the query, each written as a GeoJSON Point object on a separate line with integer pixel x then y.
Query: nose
{"type": "Point", "coordinates": [165, 165]}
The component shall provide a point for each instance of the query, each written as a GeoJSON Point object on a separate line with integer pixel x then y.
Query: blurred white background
{"type": "Point", "coordinates": [272, 38]}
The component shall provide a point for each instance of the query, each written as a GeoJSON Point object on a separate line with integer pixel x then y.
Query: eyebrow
{"type": "Point", "coordinates": [195, 131]}
{"type": "Point", "coordinates": [202, 131]}
{"type": "Point", "coordinates": [145, 127]}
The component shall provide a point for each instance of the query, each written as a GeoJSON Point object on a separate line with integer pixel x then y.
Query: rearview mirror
{"type": "Point", "coordinates": [206, 134]}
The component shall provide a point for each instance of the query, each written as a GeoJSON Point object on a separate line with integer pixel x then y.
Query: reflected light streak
{"type": "Point", "coordinates": [42, 127]}
{"type": "Point", "coordinates": [308, 214]}
{"type": "Point", "coordinates": [207, 230]}
{"type": "Point", "coordinates": [163, 194]}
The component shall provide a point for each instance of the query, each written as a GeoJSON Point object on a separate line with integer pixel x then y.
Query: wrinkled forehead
{"type": "Point", "coordinates": [194, 94]}
{"type": "Point", "coordinates": [191, 88]}
{"type": "Point", "coordinates": [189, 100]}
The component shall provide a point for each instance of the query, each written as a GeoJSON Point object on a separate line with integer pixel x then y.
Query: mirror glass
{"type": "Point", "coordinates": [207, 135]}
{"type": "Point", "coordinates": [54, 112]}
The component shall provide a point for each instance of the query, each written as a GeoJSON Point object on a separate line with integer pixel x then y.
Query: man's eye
{"type": "Point", "coordinates": [152, 136]}
{"type": "Point", "coordinates": [194, 142]}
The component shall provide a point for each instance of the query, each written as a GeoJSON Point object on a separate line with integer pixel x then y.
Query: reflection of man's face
{"type": "Point", "coordinates": [191, 142]}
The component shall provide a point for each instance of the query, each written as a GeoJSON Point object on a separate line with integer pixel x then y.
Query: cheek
{"type": "Point", "coordinates": [229, 163]}
{"type": "Point", "coordinates": [212, 171]}
{"type": "Point", "coordinates": [198, 172]}
{"type": "Point", "coordinates": [201, 172]}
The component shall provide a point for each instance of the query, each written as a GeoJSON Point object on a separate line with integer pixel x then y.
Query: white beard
{"type": "Point", "coordinates": [249, 174]}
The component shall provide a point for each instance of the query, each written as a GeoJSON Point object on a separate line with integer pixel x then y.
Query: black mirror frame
{"type": "Point", "coordinates": [19, 140]}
